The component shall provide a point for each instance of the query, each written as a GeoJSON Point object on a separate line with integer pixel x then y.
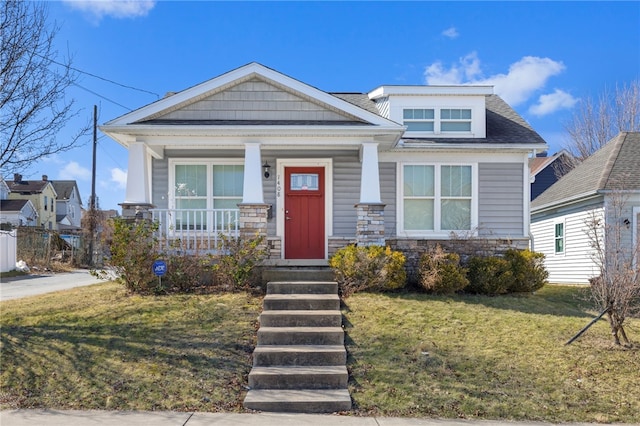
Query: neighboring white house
{"type": "Point", "coordinates": [254, 150]}
{"type": "Point", "coordinates": [15, 212]}
{"type": "Point", "coordinates": [559, 216]}
{"type": "Point", "coordinates": [68, 205]}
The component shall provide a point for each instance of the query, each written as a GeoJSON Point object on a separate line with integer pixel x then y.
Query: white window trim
{"type": "Point", "coordinates": [437, 120]}
{"type": "Point", "coordinates": [436, 233]}
{"type": "Point", "coordinates": [209, 162]}
{"type": "Point", "coordinates": [564, 237]}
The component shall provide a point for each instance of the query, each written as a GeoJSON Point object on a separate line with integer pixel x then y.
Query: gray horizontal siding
{"type": "Point", "coordinates": [388, 195]}
{"type": "Point", "coordinates": [346, 194]}
{"type": "Point", "coordinates": [501, 199]}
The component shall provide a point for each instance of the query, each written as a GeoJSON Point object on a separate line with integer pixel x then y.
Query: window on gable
{"type": "Point", "coordinates": [418, 119]}
{"type": "Point", "coordinates": [201, 191]}
{"type": "Point", "coordinates": [437, 198]}
{"type": "Point", "coordinates": [455, 120]}
{"type": "Point", "coordinates": [559, 238]}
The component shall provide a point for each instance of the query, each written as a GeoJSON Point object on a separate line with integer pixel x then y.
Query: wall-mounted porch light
{"type": "Point", "coordinates": [266, 167]}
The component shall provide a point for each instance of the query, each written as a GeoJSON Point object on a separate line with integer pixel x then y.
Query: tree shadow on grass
{"type": "Point", "coordinates": [125, 366]}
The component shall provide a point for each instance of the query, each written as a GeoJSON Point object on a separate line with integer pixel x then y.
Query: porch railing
{"type": "Point", "coordinates": [196, 230]}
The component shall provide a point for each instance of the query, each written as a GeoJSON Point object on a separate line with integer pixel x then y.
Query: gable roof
{"type": "Point", "coordinates": [614, 166]}
{"type": "Point", "coordinates": [64, 189]}
{"type": "Point", "coordinates": [14, 206]}
{"type": "Point", "coordinates": [28, 186]}
{"type": "Point", "coordinates": [152, 113]}
{"type": "Point", "coordinates": [538, 164]}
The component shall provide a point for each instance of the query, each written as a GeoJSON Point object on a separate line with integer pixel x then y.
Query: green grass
{"type": "Point", "coordinates": [409, 355]}
{"type": "Point", "coordinates": [98, 348]}
{"type": "Point", "coordinates": [488, 357]}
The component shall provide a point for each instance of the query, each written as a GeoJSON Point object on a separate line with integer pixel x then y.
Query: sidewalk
{"type": "Point", "coordinates": [31, 285]}
{"type": "Point", "coordinates": [124, 418]}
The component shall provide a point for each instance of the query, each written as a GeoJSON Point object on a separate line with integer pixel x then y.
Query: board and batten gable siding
{"type": "Point", "coordinates": [575, 265]}
{"type": "Point", "coordinates": [254, 100]}
{"type": "Point", "coordinates": [501, 200]}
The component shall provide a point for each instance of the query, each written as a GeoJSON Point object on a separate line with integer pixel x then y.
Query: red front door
{"type": "Point", "coordinates": [304, 213]}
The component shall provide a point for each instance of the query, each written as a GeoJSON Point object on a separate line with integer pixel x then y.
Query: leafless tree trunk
{"type": "Point", "coordinates": [33, 108]}
{"type": "Point", "coordinates": [617, 288]}
{"type": "Point", "coordinates": [598, 121]}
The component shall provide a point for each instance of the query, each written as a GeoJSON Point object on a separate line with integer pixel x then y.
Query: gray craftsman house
{"type": "Point", "coordinates": [254, 150]}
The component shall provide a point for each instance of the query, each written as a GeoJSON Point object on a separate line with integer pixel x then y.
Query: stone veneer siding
{"type": "Point", "coordinates": [253, 220]}
{"type": "Point", "coordinates": [414, 248]}
{"type": "Point", "coordinates": [370, 225]}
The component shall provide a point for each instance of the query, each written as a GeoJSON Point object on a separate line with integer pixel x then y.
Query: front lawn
{"type": "Point", "coordinates": [409, 355]}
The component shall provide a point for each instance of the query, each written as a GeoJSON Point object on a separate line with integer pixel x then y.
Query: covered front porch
{"type": "Point", "coordinates": [264, 207]}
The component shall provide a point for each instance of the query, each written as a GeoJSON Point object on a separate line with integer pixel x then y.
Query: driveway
{"type": "Point", "coordinates": [31, 285]}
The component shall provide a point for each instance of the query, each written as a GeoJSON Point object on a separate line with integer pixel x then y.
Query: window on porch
{"type": "Point", "coordinates": [203, 193]}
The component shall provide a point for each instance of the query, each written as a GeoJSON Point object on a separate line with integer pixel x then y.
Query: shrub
{"type": "Point", "coordinates": [489, 275]}
{"type": "Point", "coordinates": [373, 268]}
{"type": "Point", "coordinates": [132, 256]}
{"type": "Point", "coordinates": [186, 272]}
{"type": "Point", "coordinates": [440, 272]}
{"type": "Point", "coordinates": [238, 267]}
{"type": "Point", "coordinates": [528, 271]}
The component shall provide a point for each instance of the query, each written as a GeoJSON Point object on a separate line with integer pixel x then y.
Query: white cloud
{"type": "Point", "coordinates": [553, 102]}
{"type": "Point", "coordinates": [451, 32]}
{"type": "Point", "coordinates": [114, 8]}
{"type": "Point", "coordinates": [119, 177]}
{"type": "Point", "coordinates": [523, 79]}
{"type": "Point", "coordinates": [74, 171]}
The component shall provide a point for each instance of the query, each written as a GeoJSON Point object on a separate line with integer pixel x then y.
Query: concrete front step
{"type": "Point", "coordinates": [299, 377]}
{"type": "Point", "coordinates": [272, 355]}
{"type": "Point", "coordinates": [301, 318]}
{"type": "Point", "coordinates": [284, 273]}
{"type": "Point", "coordinates": [302, 287]}
{"type": "Point", "coordinates": [281, 302]}
{"type": "Point", "coordinates": [300, 336]}
{"type": "Point", "coordinates": [299, 400]}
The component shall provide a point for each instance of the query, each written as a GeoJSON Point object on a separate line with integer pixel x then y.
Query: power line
{"type": "Point", "coordinates": [103, 97]}
{"type": "Point", "coordinates": [99, 77]}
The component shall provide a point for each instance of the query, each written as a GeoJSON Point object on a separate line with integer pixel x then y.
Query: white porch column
{"type": "Point", "coordinates": [138, 175]}
{"type": "Point", "coordinates": [252, 186]}
{"type": "Point", "coordinates": [370, 176]}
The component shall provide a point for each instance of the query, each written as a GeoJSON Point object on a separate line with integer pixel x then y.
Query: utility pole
{"type": "Point", "coordinates": [92, 201]}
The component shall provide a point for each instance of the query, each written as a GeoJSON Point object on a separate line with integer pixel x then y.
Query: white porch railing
{"type": "Point", "coordinates": [195, 230]}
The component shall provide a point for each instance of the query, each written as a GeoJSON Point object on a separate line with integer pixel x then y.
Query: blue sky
{"type": "Point", "coordinates": [542, 57]}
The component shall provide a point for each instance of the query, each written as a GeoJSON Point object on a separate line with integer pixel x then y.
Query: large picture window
{"type": "Point", "coordinates": [437, 198]}
{"type": "Point", "coordinates": [199, 189]}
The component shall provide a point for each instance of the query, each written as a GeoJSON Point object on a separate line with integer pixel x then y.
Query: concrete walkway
{"type": "Point", "coordinates": [31, 285]}
{"type": "Point", "coordinates": [120, 418]}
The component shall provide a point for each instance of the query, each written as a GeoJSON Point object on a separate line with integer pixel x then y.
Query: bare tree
{"type": "Point", "coordinates": [597, 121]}
{"type": "Point", "coordinates": [33, 82]}
{"type": "Point", "coordinates": [616, 291]}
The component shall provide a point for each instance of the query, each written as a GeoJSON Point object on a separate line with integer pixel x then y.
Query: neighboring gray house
{"type": "Point", "coordinates": [559, 216]}
{"type": "Point", "coordinates": [68, 205]}
{"type": "Point", "coordinates": [256, 151]}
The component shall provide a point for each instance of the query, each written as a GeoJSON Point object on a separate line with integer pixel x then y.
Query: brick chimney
{"type": "Point", "coordinates": [17, 177]}
{"type": "Point", "coordinates": [45, 178]}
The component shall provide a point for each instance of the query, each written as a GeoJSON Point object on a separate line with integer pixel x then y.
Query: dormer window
{"type": "Point", "coordinates": [455, 120]}
{"type": "Point", "coordinates": [419, 119]}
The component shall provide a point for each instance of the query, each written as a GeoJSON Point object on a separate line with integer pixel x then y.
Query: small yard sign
{"type": "Point", "coordinates": [159, 267]}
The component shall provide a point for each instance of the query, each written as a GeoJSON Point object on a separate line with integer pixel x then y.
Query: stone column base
{"type": "Point", "coordinates": [370, 225]}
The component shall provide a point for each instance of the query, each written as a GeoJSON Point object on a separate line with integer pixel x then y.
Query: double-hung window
{"type": "Point", "coordinates": [455, 120]}
{"type": "Point", "coordinates": [437, 198]}
{"type": "Point", "coordinates": [204, 192]}
{"type": "Point", "coordinates": [559, 238]}
{"type": "Point", "coordinates": [437, 120]}
{"type": "Point", "coordinates": [418, 119]}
